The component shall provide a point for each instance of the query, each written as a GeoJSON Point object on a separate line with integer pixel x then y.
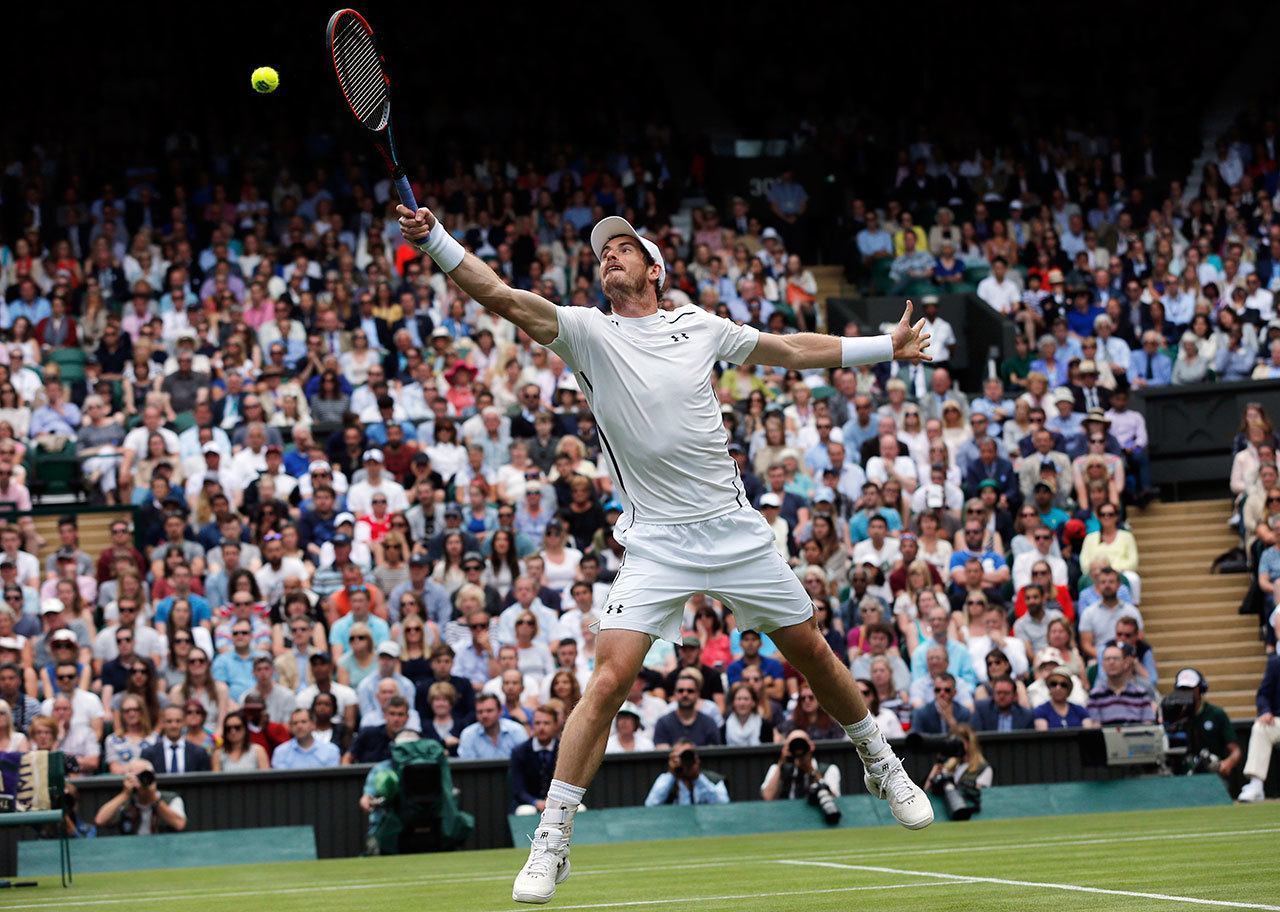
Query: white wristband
{"type": "Point", "coordinates": [865, 350]}
{"type": "Point", "coordinates": [442, 248]}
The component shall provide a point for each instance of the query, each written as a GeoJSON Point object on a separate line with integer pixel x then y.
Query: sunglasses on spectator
{"type": "Point", "coordinates": [1097, 440]}
{"type": "Point", "coordinates": [944, 690]}
{"type": "Point", "coordinates": [1269, 500]}
{"type": "Point", "coordinates": [240, 603]}
{"type": "Point", "coordinates": [69, 677]}
{"type": "Point", "coordinates": [354, 589]}
{"type": "Point", "coordinates": [272, 536]}
{"type": "Point", "coordinates": [974, 602]}
{"type": "Point", "coordinates": [1039, 572]}
{"type": "Point", "coordinates": [241, 633]}
{"type": "Point", "coordinates": [1065, 685]}
{"type": "Point", "coordinates": [1107, 514]}
{"type": "Point", "coordinates": [685, 690]}
{"type": "Point", "coordinates": [197, 661]}
{"type": "Point", "coordinates": [474, 626]}
{"type": "Point", "coordinates": [524, 623]}
{"type": "Point", "coordinates": [233, 728]}
{"type": "Point", "coordinates": [124, 639]}
{"type": "Point", "coordinates": [182, 639]}
{"type": "Point", "coordinates": [807, 697]}
{"type": "Point", "coordinates": [140, 670]}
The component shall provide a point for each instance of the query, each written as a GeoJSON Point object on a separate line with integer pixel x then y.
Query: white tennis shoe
{"type": "Point", "coordinates": [547, 866]}
{"type": "Point", "coordinates": [1253, 791]}
{"type": "Point", "coordinates": [888, 780]}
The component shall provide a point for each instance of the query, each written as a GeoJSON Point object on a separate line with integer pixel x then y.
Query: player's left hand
{"type": "Point", "coordinates": [910, 342]}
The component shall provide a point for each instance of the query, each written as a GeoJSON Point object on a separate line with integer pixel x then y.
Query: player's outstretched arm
{"type": "Point", "coordinates": [907, 342]}
{"type": "Point", "coordinates": [532, 313]}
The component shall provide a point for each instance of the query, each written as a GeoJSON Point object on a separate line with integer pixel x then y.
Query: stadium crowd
{"type": "Point", "coordinates": [364, 505]}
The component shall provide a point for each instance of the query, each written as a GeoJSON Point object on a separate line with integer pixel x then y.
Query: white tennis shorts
{"type": "Point", "coordinates": [731, 558]}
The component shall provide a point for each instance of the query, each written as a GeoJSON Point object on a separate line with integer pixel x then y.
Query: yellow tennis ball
{"type": "Point", "coordinates": [264, 80]}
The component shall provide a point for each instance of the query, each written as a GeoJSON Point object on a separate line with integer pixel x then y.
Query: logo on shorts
{"type": "Point", "coordinates": [613, 609]}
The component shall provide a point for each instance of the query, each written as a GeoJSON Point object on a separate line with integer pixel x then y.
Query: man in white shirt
{"type": "Point", "coordinates": [360, 494]}
{"type": "Point", "coordinates": [1259, 298]}
{"type": "Point", "coordinates": [323, 681]}
{"type": "Point", "coordinates": [152, 423]}
{"type": "Point", "coordinates": [526, 593]}
{"type": "Point", "coordinates": [276, 568]}
{"type": "Point", "coordinates": [998, 290]}
{"type": "Point", "coordinates": [1044, 550]}
{"type": "Point", "coordinates": [996, 636]}
{"type": "Point", "coordinates": [251, 460]}
{"type": "Point", "coordinates": [878, 548]}
{"type": "Point", "coordinates": [86, 708]}
{"type": "Point", "coordinates": [944, 337]}
{"type": "Point", "coordinates": [892, 463]}
{"type": "Point", "coordinates": [214, 469]}
{"type": "Point", "coordinates": [683, 498]}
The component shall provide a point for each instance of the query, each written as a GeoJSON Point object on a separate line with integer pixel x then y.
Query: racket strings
{"type": "Point", "coordinates": [361, 72]}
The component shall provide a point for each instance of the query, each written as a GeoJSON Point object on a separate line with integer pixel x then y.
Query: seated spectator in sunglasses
{"type": "Point", "coordinates": [943, 713]}
{"type": "Point", "coordinates": [1058, 711]}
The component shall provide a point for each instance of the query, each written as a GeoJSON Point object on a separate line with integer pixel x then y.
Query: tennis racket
{"type": "Point", "coordinates": [366, 87]}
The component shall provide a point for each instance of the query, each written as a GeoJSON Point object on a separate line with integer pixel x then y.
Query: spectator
{"type": "Point", "coordinates": [685, 722]}
{"type": "Point", "coordinates": [490, 737]}
{"type": "Point", "coordinates": [1001, 712]}
{"type": "Point", "coordinates": [1117, 698]}
{"type": "Point", "coordinates": [1098, 621]}
{"type": "Point", "coordinates": [305, 751]}
{"type": "Point", "coordinates": [1033, 627]}
{"type": "Point", "coordinates": [1265, 733]}
{"type": "Point", "coordinates": [628, 732]}
{"type": "Point", "coordinates": [1059, 710]}
{"type": "Point", "coordinates": [941, 715]}
{"type": "Point", "coordinates": [238, 754]}
{"type": "Point", "coordinates": [444, 725]}
{"type": "Point", "coordinates": [373, 743]}
{"type": "Point", "coordinates": [1209, 729]}
{"type": "Point", "coordinates": [1115, 545]}
{"type": "Point", "coordinates": [534, 762]}
{"type": "Point", "coordinates": [685, 782]}
{"type": "Point", "coordinates": [141, 808]}
{"type": "Point", "coordinates": [171, 752]}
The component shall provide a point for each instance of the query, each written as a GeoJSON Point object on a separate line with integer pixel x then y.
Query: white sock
{"type": "Point", "coordinates": [562, 795]}
{"type": "Point", "coordinates": [867, 738]}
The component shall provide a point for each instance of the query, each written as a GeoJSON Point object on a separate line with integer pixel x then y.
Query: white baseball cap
{"type": "Point", "coordinates": [615, 225]}
{"type": "Point", "coordinates": [770, 500]}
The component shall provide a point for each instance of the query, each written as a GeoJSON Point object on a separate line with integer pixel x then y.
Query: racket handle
{"type": "Point", "coordinates": [406, 192]}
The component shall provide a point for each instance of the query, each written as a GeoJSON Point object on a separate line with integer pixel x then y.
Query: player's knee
{"type": "Point", "coordinates": [608, 686]}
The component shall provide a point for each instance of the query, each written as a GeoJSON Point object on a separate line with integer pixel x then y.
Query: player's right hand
{"type": "Point", "coordinates": [415, 226]}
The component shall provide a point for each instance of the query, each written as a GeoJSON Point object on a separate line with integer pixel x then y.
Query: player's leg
{"type": "Point", "coordinates": [619, 656]}
{"type": "Point", "coordinates": [836, 690]}
{"type": "Point", "coordinates": [645, 601]}
{"type": "Point", "coordinates": [766, 595]}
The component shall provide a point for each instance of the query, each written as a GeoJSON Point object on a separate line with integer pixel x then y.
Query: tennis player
{"type": "Point", "coordinates": [688, 526]}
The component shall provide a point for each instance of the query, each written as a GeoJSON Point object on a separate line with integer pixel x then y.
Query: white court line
{"type": "Point", "coordinates": [1073, 888]}
{"type": "Point", "coordinates": [431, 880]}
{"type": "Point", "coordinates": [918, 885]}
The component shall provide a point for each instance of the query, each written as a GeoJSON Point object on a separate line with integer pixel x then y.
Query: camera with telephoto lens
{"type": "Point", "coordinates": [146, 779]}
{"type": "Point", "coordinates": [961, 803]}
{"type": "Point", "coordinates": [819, 793]}
{"type": "Point", "coordinates": [1181, 755]}
{"type": "Point", "coordinates": [821, 797]}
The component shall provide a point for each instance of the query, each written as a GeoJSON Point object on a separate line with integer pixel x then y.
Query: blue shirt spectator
{"type": "Point", "coordinates": [476, 744]}
{"type": "Point", "coordinates": [316, 755]}
{"type": "Point", "coordinates": [235, 670]}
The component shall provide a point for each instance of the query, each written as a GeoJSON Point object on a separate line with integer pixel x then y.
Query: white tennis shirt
{"type": "Point", "coordinates": [650, 385]}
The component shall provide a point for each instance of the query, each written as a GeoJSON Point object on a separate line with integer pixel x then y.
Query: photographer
{"type": "Point", "coordinates": [958, 779]}
{"type": "Point", "coordinates": [685, 781]}
{"type": "Point", "coordinates": [1211, 740]}
{"type": "Point", "coordinates": [798, 775]}
{"type": "Point", "coordinates": [141, 808]}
